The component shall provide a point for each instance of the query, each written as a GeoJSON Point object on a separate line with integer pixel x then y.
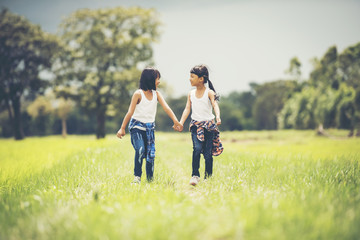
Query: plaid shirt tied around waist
{"type": "Point", "coordinates": [211, 127]}
{"type": "Point", "coordinates": [150, 135]}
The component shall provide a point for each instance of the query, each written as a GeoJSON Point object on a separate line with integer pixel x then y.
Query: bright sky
{"type": "Point", "coordinates": [241, 41]}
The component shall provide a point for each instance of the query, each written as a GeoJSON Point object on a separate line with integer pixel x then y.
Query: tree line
{"type": "Point", "coordinates": [80, 80]}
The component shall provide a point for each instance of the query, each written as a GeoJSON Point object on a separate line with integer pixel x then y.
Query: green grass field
{"type": "Point", "coordinates": [266, 185]}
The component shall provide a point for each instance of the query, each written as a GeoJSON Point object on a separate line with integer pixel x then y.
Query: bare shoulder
{"type": "Point", "coordinates": [189, 95]}
{"type": "Point", "coordinates": [137, 95]}
{"type": "Point", "coordinates": [158, 94]}
{"type": "Point", "coordinates": [188, 100]}
{"type": "Point", "coordinates": [137, 92]}
{"type": "Point", "coordinates": [211, 93]}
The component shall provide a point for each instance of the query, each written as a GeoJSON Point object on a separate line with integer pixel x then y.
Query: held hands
{"type": "Point", "coordinates": [120, 133]}
{"type": "Point", "coordinates": [178, 126]}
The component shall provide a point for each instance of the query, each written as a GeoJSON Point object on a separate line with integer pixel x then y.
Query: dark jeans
{"type": "Point", "coordinates": [139, 142]}
{"type": "Point", "coordinates": [206, 149]}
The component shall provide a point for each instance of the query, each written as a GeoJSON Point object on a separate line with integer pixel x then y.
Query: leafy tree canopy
{"type": "Point", "coordinates": [25, 51]}
{"type": "Point", "coordinates": [107, 49]}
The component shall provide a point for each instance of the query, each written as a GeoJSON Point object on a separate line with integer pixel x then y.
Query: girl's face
{"type": "Point", "coordinates": [157, 82]}
{"type": "Point", "coordinates": [195, 80]}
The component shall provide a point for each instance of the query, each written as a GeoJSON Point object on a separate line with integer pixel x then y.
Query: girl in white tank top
{"type": "Point", "coordinates": [141, 115]}
{"type": "Point", "coordinates": [201, 107]}
{"type": "Point", "coordinates": [145, 111]}
{"type": "Point", "coordinates": [204, 130]}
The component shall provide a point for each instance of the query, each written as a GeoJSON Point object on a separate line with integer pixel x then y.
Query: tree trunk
{"type": "Point", "coordinates": [320, 131]}
{"type": "Point", "coordinates": [9, 109]}
{"type": "Point", "coordinates": [351, 133]}
{"type": "Point", "coordinates": [100, 129]}
{"type": "Point", "coordinates": [355, 126]}
{"type": "Point", "coordinates": [17, 124]}
{"type": "Point", "coordinates": [63, 128]}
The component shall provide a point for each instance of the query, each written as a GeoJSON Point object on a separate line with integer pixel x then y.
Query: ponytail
{"type": "Point", "coordinates": [211, 86]}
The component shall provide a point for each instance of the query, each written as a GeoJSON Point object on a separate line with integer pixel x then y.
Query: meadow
{"type": "Point", "coordinates": [266, 185]}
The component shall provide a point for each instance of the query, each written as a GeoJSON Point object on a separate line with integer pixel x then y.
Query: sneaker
{"type": "Point", "coordinates": [137, 180]}
{"type": "Point", "coordinates": [194, 180]}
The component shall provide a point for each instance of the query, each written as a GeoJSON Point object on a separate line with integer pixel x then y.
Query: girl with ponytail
{"type": "Point", "coordinates": [204, 130]}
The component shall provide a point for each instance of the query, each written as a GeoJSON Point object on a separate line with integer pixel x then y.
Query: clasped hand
{"type": "Point", "coordinates": [178, 127]}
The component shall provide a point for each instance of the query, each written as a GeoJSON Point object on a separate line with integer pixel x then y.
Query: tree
{"type": "Point", "coordinates": [294, 69]}
{"type": "Point", "coordinates": [63, 107]}
{"type": "Point", "coordinates": [40, 111]}
{"type": "Point", "coordinates": [298, 111]}
{"type": "Point", "coordinates": [357, 112]}
{"type": "Point", "coordinates": [349, 66]}
{"type": "Point", "coordinates": [325, 80]}
{"type": "Point", "coordinates": [329, 99]}
{"type": "Point", "coordinates": [310, 108]}
{"type": "Point", "coordinates": [231, 116]}
{"type": "Point", "coordinates": [349, 70]}
{"type": "Point", "coordinates": [270, 99]}
{"type": "Point", "coordinates": [323, 102]}
{"type": "Point", "coordinates": [236, 111]}
{"type": "Point", "coordinates": [108, 46]}
{"type": "Point", "coordinates": [325, 71]}
{"type": "Point", "coordinates": [333, 71]}
{"type": "Point", "coordinates": [25, 51]}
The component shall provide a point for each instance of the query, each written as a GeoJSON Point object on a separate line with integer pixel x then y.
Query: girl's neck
{"type": "Point", "coordinates": [200, 87]}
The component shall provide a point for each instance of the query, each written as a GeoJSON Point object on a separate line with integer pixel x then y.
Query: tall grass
{"type": "Point", "coordinates": [266, 185]}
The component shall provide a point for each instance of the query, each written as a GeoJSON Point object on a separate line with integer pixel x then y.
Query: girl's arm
{"type": "Point", "coordinates": [215, 106]}
{"type": "Point", "coordinates": [186, 111]}
{"type": "Point", "coordinates": [169, 112]}
{"type": "Point", "coordinates": [134, 100]}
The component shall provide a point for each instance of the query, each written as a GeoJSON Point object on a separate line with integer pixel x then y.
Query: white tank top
{"type": "Point", "coordinates": [201, 109]}
{"type": "Point", "coordinates": [145, 111]}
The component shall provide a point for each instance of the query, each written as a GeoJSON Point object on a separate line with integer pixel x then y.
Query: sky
{"type": "Point", "coordinates": [241, 41]}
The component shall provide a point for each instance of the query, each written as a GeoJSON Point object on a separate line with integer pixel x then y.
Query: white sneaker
{"type": "Point", "coordinates": [194, 180]}
{"type": "Point", "coordinates": [137, 180]}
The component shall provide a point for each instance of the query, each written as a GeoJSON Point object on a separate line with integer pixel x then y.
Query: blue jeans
{"type": "Point", "coordinates": [139, 142]}
{"type": "Point", "coordinates": [206, 149]}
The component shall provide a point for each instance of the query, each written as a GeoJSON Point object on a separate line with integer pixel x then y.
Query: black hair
{"type": "Point", "coordinates": [148, 78]}
{"type": "Point", "coordinates": [202, 71]}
